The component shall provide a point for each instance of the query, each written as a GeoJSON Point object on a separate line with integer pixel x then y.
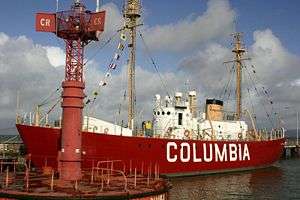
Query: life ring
{"type": "Point", "coordinates": [106, 130]}
{"type": "Point", "coordinates": [186, 133]}
{"type": "Point", "coordinates": [240, 136]}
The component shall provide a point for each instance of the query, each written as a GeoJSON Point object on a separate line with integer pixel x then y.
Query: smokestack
{"type": "Point", "coordinates": [193, 103]}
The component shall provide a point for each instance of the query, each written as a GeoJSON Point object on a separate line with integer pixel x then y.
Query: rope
{"type": "Point", "coordinates": [264, 91]}
{"type": "Point", "coordinates": [102, 47]}
{"type": "Point", "coordinates": [47, 100]}
{"type": "Point", "coordinates": [56, 103]}
{"type": "Point", "coordinates": [225, 89]}
{"type": "Point", "coordinates": [229, 86]}
{"type": "Point", "coordinates": [112, 66]}
{"type": "Point", "coordinates": [154, 64]}
{"type": "Point", "coordinates": [250, 97]}
{"type": "Point", "coordinates": [256, 90]}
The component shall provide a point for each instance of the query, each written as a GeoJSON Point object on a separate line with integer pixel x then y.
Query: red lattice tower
{"type": "Point", "coordinates": [77, 27]}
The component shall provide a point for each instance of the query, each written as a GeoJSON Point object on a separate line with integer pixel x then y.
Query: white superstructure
{"type": "Point", "coordinates": [95, 125]}
{"type": "Point", "coordinates": [178, 118]}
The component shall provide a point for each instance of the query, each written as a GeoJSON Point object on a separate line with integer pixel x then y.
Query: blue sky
{"type": "Point", "coordinates": [17, 16]}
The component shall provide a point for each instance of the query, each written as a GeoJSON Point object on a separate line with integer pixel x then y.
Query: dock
{"type": "Point", "coordinates": [291, 149]}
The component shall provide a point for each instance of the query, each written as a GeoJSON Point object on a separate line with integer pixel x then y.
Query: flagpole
{"type": "Point", "coordinates": [297, 128]}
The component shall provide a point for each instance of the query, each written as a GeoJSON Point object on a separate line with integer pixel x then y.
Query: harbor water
{"type": "Point", "coordinates": [279, 182]}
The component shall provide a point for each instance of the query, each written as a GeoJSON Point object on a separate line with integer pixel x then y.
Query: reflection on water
{"type": "Point", "coordinates": [279, 182]}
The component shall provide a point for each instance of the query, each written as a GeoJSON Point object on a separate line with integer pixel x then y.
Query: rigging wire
{"type": "Point", "coordinates": [225, 89]}
{"type": "Point", "coordinates": [123, 97]}
{"type": "Point", "coordinates": [250, 97]}
{"type": "Point", "coordinates": [264, 91]}
{"type": "Point", "coordinates": [153, 63]}
{"type": "Point", "coordinates": [111, 66]}
{"type": "Point", "coordinates": [257, 92]}
{"type": "Point", "coordinates": [229, 86]}
{"type": "Point", "coordinates": [102, 46]}
{"type": "Point", "coordinates": [48, 99]}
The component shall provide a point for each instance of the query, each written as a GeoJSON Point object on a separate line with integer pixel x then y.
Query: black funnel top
{"type": "Point", "coordinates": [214, 101]}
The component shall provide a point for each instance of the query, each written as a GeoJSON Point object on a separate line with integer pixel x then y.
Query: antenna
{"type": "Point", "coordinates": [18, 108]}
{"type": "Point", "coordinates": [56, 5]}
{"type": "Point", "coordinates": [97, 5]}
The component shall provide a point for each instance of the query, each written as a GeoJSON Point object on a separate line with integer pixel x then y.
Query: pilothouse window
{"type": "Point", "coordinates": [179, 118]}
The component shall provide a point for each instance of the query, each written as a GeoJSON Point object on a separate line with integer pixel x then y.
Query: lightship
{"type": "Point", "coordinates": [181, 142]}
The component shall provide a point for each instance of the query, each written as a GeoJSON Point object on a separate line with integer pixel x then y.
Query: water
{"type": "Point", "coordinates": [279, 182]}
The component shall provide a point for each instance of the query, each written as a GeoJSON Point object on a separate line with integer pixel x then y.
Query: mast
{"type": "Point", "coordinates": [239, 51]}
{"type": "Point", "coordinates": [131, 14]}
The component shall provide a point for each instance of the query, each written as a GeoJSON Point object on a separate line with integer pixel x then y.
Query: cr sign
{"type": "Point", "coordinates": [97, 21]}
{"type": "Point", "coordinates": [45, 22]}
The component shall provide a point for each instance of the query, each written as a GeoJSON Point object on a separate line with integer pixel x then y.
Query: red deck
{"type": "Point", "coordinates": [186, 157]}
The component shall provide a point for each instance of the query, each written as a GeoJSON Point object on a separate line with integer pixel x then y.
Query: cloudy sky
{"type": "Point", "coordinates": [189, 40]}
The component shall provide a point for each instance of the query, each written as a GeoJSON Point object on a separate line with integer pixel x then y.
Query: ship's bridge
{"type": "Point", "coordinates": [177, 118]}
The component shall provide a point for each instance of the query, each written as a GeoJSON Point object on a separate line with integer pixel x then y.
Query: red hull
{"type": "Point", "coordinates": [139, 152]}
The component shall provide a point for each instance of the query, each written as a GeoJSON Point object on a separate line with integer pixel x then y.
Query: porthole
{"type": "Point", "coordinates": [163, 112]}
{"type": "Point", "coordinates": [154, 113]}
{"type": "Point", "coordinates": [158, 113]}
{"type": "Point", "coordinates": [168, 113]}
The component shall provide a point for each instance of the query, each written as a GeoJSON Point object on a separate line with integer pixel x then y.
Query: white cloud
{"type": "Point", "coordinates": [3, 38]}
{"type": "Point", "coordinates": [24, 67]}
{"type": "Point", "coordinates": [56, 56]}
{"type": "Point", "coordinates": [215, 23]}
{"type": "Point", "coordinates": [187, 34]}
{"type": "Point", "coordinates": [113, 19]}
{"type": "Point", "coordinates": [295, 82]}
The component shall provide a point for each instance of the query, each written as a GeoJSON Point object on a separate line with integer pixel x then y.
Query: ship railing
{"type": "Point", "coordinates": [104, 175]}
{"type": "Point", "coordinates": [277, 133]}
{"type": "Point", "coordinates": [29, 119]}
{"type": "Point", "coordinates": [110, 164]}
{"type": "Point", "coordinates": [264, 134]}
{"type": "Point", "coordinates": [14, 174]}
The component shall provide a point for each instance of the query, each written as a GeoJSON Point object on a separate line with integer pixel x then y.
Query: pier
{"type": "Point", "coordinates": [291, 149]}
